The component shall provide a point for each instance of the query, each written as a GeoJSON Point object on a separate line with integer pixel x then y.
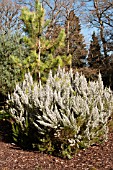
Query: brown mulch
{"type": "Point", "coordinates": [98, 157]}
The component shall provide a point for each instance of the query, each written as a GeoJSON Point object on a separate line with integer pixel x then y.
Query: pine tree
{"type": "Point", "coordinates": [74, 40]}
{"type": "Point", "coordinates": [94, 56]}
{"type": "Point", "coordinates": [42, 55]}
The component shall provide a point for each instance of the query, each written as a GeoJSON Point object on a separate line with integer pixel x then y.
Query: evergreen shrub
{"type": "Point", "coordinates": [13, 53]}
{"type": "Point", "coordinates": [64, 115]}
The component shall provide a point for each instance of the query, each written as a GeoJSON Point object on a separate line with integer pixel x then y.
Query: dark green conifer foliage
{"type": "Point", "coordinates": [94, 56]}
{"type": "Point", "coordinates": [12, 54]}
{"type": "Point", "coordinates": [74, 40]}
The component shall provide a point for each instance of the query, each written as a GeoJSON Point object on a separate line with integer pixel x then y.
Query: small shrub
{"type": "Point", "coordinates": [64, 114]}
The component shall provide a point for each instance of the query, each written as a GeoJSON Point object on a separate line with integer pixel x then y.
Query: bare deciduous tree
{"type": "Point", "coordinates": [9, 16]}
{"type": "Point", "coordinates": [99, 14]}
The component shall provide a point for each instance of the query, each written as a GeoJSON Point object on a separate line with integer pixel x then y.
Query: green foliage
{"type": "Point", "coordinates": [74, 40]}
{"type": "Point", "coordinates": [43, 52]}
{"type": "Point", "coordinates": [94, 56]}
{"type": "Point", "coordinates": [4, 115]}
{"type": "Point", "coordinates": [33, 23]}
{"type": "Point", "coordinates": [21, 136]}
{"type": "Point", "coordinates": [12, 54]}
{"type": "Point", "coordinates": [62, 116]}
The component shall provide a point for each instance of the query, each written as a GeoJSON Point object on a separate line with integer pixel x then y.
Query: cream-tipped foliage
{"type": "Point", "coordinates": [76, 111]}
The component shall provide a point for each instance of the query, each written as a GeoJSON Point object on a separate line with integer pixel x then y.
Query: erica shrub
{"type": "Point", "coordinates": [62, 115]}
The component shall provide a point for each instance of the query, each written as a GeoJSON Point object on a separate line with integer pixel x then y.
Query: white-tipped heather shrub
{"type": "Point", "coordinates": [70, 111]}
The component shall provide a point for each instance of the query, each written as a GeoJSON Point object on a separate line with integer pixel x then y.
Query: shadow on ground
{"type": "Point", "coordinates": [5, 131]}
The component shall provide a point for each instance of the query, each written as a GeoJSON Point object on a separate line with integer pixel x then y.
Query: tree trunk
{"type": "Point", "coordinates": [68, 33]}
{"type": "Point", "coordinates": [104, 45]}
{"type": "Point", "coordinates": [39, 47]}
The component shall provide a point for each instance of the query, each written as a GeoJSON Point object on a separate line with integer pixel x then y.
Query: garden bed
{"type": "Point", "coordinates": [98, 157]}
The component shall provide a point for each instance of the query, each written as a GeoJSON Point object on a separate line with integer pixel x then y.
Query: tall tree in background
{"type": "Point", "coordinates": [109, 38]}
{"type": "Point", "coordinates": [74, 40]}
{"type": "Point", "coordinates": [98, 6]}
{"type": "Point", "coordinates": [99, 14]}
{"type": "Point", "coordinates": [58, 11]}
{"type": "Point", "coordinates": [94, 56]}
{"type": "Point", "coordinates": [9, 16]}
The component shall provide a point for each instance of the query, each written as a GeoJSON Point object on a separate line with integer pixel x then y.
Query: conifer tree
{"type": "Point", "coordinates": [74, 40]}
{"type": "Point", "coordinates": [94, 56]}
{"type": "Point", "coordinates": [42, 52]}
{"type": "Point", "coordinates": [12, 55]}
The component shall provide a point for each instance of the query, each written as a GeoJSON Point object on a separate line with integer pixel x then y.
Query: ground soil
{"type": "Point", "coordinates": [98, 157]}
